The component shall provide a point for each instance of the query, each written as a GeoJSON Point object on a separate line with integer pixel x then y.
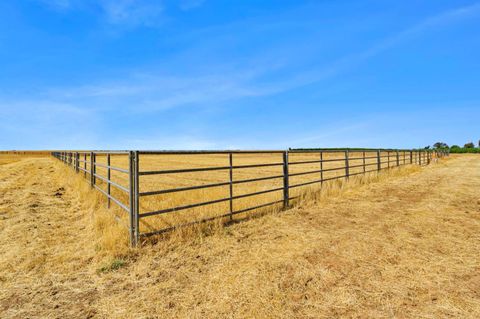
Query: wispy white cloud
{"type": "Point", "coordinates": [133, 12]}
{"type": "Point", "coordinates": [343, 64]}
{"type": "Point", "coordinates": [58, 4]}
{"type": "Point", "coordinates": [125, 12]}
{"type": "Point", "coordinates": [190, 4]}
{"type": "Point", "coordinates": [429, 23]}
{"type": "Point", "coordinates": [148, 93]}
{"type": "Point", "coordinates": [151, 92]}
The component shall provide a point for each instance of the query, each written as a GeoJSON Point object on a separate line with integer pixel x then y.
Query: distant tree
{"type": "Point", "coordinates": [469, 145]}
{"type": "Point", "coordinates": [427, 147]}
{"type": "Point", "coordinates": [454, 146]}
{"type": "Point", "coordinates": [440, 145]}
{"type": "Point", "coordinates": [478, 143]}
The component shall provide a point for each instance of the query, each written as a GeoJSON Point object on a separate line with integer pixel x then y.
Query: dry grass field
{"type": "Point", "coordinates": [401, 245]}
{"type": "Point", "coordinates": [334, 167]}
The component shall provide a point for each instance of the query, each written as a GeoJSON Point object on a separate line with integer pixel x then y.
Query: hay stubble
{"type": "Point", "coordinates": [405, 245]}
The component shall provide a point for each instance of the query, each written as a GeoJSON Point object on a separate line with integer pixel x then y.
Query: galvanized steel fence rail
{"type": "Point", "coordinates": [128, 197]}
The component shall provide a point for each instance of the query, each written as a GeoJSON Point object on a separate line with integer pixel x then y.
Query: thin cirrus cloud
{"type": "Point", "coordinates": [150, 92]}
{"type": "Point", "coordinates": [124, 12]}
{"type": "Point", "coordinates": [350, 61]}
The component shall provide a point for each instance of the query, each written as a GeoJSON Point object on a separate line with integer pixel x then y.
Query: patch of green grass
{"type": "Point", "coordinates": [115, 264]}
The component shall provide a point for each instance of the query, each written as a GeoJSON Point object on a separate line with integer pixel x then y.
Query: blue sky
{"type": "Point", "coordinates": [193, 74]}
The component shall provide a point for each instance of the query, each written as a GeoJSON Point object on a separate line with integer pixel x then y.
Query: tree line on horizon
{"type": "Point", "coordinates": [469, 147]}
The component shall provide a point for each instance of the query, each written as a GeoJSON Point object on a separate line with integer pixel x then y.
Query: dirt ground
{"type": "Point", "coordinates": [406, 246]}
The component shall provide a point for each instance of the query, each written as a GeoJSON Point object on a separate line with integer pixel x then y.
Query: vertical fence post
{"type": "Point", "coordinates": [420, 158]}
{"type": "Point", "coordinates": [85, 164]}
{"type": "Point", "coordinates": [131, 195]}
{"type": "Point", "coordinates": [321, 168]}
{"type": "Point", "coordinates": [137, 197]}
{"type": "Point", "coordinates": [285, 180]}
{"type": "Point", "coordinates": [411, 157]}
{"type": "Point", "coordinates": [364, 163]}
{"type": "Point", "coordinates": [109, 175]}
{"type": "Point", "coordinates": [230, 160]}
{"type": "Point", "coordinates": [379, 164]}
{"type": "Point", "coordinates": [77, 162]}
{"type": "Point", "coordinates": [94, 168]}
{"type": "Point", "coordinates": [398, 159]}
{"type": "Point", "coordinates": [347, 166]}
{"type": "Point", "coordinates": [92, 178]}
{"type": "Point", "coordinates": [388, 159]}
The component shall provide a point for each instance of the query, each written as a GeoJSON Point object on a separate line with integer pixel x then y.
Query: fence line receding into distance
{"type": "Point", "coordinates": [146, 183]}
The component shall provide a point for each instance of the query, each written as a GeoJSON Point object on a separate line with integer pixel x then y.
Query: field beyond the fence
{"type": "Point", "coordinates": [160, 191]}
{"type": "Point", "coordinates": [403, 244]}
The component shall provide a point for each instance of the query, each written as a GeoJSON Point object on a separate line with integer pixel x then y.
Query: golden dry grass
{"type": "Point", "coordinates": [404, 244]}
{"type": "Point", "coordinates": [10, 157]}
{"type": "Point", "coordinates": [187, 161]}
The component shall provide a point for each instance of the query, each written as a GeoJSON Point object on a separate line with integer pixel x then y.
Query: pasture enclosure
{"type": "Point", "coordinates": [164, 190]}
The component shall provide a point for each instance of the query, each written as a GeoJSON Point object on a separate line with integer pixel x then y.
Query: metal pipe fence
{"type": "Point", "coordinates": [120, 177]}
